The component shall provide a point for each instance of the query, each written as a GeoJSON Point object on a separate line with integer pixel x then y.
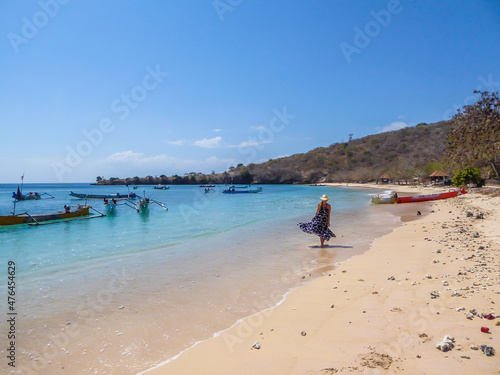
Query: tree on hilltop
{"type": "Point", "coordinates": [475, 138]}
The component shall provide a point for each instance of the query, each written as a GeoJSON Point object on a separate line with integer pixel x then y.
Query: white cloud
{"type": "Point", "coordinates": [217, 130]}
{"type": "Point", "coordinates": [129, 163]}
{"type": "Point", "coordinates": [209, 143]}
{"type": "Point", "coordinates": [138, 159]}
{"type": "Point", "coordinates": [261, 127]}
{"type": "Point", "coordinates": [250, 143]}
{"type": "Point", "coordinates": [396, 125]}
{"type": "Point", "coordinates": [124, 156]}
{"type": "Point", "coordinates": [176, 143]}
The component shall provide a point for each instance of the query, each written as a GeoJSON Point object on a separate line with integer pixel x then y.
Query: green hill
{"type": "Point", "coordinates": [401, 154]}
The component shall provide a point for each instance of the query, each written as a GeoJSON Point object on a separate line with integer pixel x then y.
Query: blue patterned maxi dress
{"type": "Point", "coordinates": [318, 225]}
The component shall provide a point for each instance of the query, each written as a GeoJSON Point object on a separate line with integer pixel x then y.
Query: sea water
{"type": "Point", "coordinates": [122, 293]}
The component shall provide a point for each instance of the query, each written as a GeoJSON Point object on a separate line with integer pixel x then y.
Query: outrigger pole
{"type": "Point", "coordinates": [22, 182]}
{"type": "Point", "coordinates": [147, 200]}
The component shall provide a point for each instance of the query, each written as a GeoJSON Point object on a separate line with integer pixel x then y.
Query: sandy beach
{"type": "Point", "coordinates": [382, 312]}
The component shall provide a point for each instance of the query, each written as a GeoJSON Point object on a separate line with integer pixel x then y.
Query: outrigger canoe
{"type": "Point", "coordinates": [26, 218]}
{"type": "Point", "coordinates": [24, 197]}
{"type": "Point", "coordinates": [19, 196]}
{"type": "Point", "coordinates": [116, 196]}
{"type": "Point", "coordinates": [233, 191]}
{"type": "Point", "coordinates": [418, 198]}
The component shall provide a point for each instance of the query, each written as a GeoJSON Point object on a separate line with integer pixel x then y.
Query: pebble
{"type": "Point", "coordinates": [256, 345]}
{"type": "Point", "coordinates": [446, 344]}
{"type": "Point", "coordinates": [488, 350]}
{"type": "Point", "coordinates": [435, 294]}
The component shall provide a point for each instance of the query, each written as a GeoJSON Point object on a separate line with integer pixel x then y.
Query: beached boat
{"type": "Point", "coordinates": [26, 218]}
{"type": "Point", "coordinates": [116, 196]}
{"type": "Point", "coordinates": [384, 200]}
{"type": "Point", "coordinates": [418, 198]}
{"type": "Point", "coordinates": [234, 191]}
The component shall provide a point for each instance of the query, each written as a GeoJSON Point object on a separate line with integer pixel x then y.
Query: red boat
{"type": "Point", "coordinates": [431, 197]}
{"type": "Point", "coordinates": [418, 198]}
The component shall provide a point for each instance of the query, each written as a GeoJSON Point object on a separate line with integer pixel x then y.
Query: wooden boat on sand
{"type": "Point", "coordinates": [36, 219]}
{"type": "Point", "coordinates": [418, 198]}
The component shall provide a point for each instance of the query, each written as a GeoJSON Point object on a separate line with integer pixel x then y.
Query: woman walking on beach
{"type": "Point", "coordinates": [319, 225]}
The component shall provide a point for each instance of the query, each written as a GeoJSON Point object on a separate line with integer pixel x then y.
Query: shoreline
{"type": "Point", "coordinates": [339, 321]}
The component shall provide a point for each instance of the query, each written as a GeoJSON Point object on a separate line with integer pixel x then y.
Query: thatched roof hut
{"type": "Point", "coordinates": [439, 175]}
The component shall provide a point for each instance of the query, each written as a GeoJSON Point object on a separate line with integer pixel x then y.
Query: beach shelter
{"type": "Point", "coordinates": [384, 179]}
{"type": "Point", "coordinates": [438, 175]}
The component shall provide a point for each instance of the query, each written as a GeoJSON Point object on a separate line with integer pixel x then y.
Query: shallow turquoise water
{"type": "Point", "coordinates": [193, 217]}
{"type": "Point", "coordinates": [195, 268]}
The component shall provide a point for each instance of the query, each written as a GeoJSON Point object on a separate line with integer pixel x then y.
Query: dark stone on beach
{"type": "Point", "coordinates": [488, 350]}
{"type": "Point", "coordinates": [303, 333]}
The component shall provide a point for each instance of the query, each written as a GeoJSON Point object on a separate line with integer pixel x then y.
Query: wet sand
{"type": "Point", "coordinates": [382, 312]}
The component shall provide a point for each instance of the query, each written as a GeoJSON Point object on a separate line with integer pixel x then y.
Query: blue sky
{"type": "Point", "coordinates": [135, 88]}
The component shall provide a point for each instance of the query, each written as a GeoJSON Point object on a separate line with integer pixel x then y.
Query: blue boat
{"type": "Point", "coordinates": [19, 196]}
{"type": "Point", "coordinates": [234, 191]}
{"type": "Point", "coordinates": [116, 196]}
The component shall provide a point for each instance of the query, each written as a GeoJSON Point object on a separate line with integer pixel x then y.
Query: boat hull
{"type": "Point", "coordinates": [28, 219]}
{"type": "Point", "coordinates": [102, 196]}
{"type": "Point", "coordinates": [26, 197]}
{"type": "Point", "coordinates": [384, 200]}
{"type": "Point", "coordinates": [419, 198]}
{"type": "Point", "coordinates": [241, 191]}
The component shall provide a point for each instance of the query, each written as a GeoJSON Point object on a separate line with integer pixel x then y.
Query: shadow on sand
{"type": "Point", "coordinates": [326, 246]}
